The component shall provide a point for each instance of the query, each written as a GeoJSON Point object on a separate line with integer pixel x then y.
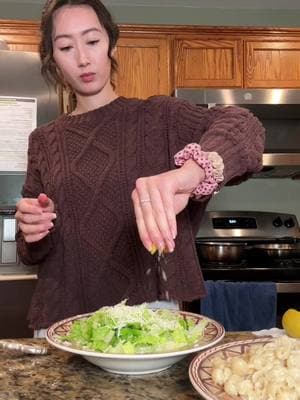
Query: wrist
{"type": "Point", "coordinates": [195, 172]}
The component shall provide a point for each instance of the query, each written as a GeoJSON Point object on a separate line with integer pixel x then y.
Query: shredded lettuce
{"type": "Point", "coordinates": [135, 330]}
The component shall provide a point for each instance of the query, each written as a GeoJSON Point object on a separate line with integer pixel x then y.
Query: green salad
{"type": "Point", "coordinates": [135, 330]}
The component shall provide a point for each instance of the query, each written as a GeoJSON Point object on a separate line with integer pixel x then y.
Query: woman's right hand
{"type": "Point", "coordinates": [35, 217]}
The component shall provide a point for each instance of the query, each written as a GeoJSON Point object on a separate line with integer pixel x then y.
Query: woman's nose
{"type": "Point", "coordinates": [82, 58]}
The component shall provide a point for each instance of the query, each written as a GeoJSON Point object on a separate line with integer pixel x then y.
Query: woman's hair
{"type": "Point", "coordinates": [49, 69]}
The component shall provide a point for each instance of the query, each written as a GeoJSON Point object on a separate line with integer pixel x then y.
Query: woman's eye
{"type": "Point", "coordinates": [93, 42]}
{"type": "Point", "coordinates": [65, 48]}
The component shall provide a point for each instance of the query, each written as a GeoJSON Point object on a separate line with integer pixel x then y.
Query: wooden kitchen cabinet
{"type": "Point", "coordinates": [155, 59]}
{"type": "Point", "coordinates": [20, 35]}
{"type": "Point", "coordinates": [237, 57]}
{"type": "Point", "coordinates": [144, 66]}
{"type": "Point", "coordinates": [143, 57]}
{"type": "Point", "coordinates": [205, 62]}
{"type": "Point", "coordinates": [272, 63]}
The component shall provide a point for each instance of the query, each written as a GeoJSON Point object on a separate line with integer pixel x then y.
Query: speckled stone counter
{"type": "Point", "coordinates": [60, 375]}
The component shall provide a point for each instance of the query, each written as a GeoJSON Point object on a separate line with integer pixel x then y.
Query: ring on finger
{"type": "Point", "coordinates": [145, 201]}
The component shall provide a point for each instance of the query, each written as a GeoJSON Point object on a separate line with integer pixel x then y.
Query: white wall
{"type": "Point", "coordinates": [183, 14]}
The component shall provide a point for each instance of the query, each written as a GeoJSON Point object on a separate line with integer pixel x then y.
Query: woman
{"type": "Point", "coordinates": [119, 178]}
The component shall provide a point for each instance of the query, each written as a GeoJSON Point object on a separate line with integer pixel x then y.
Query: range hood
{"type": "Point", "coordinates": [280, 165]}
{"type": "Point", "coordinates": [279, 112]}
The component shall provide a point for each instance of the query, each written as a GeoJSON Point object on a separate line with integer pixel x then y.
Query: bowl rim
{"type": "Point", "coordinates": [144, 356]}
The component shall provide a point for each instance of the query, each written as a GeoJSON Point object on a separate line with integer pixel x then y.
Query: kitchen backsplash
{"type": "Point", "coordinates": [278, 195]}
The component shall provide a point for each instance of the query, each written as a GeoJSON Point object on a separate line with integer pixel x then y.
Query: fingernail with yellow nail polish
{"type": "Point", "coordinates": [153, 249]}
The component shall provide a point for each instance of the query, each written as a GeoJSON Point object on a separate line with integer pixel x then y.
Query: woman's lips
{"type": "Point", "coordinates": [88, 77]}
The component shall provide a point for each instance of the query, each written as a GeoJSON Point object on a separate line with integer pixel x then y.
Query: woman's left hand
{"type": "Point", "coordinates": [158, 199]}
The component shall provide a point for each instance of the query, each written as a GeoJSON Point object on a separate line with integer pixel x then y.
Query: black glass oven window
{"type": "Point", "coordinates": [234, 223]}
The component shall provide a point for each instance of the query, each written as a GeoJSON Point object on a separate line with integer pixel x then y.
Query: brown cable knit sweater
{"type": "Point", "coordinates": [88, 165]}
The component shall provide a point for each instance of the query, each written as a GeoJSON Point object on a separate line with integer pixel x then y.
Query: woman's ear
{"type": "Point", "coordinates": [114, 50]}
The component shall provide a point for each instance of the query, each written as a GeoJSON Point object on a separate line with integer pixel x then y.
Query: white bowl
{"type": "Point", "coordinates": [200, 368]}
{"type": "Point", "coordinates": [130, 364]}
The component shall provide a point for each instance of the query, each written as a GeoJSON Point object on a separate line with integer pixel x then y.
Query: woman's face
{"type": "Point", "coordinates": [80, 49]}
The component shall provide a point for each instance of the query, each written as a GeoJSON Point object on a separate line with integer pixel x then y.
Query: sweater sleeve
{"type": "Point", "coordinates": [233, 132]}
{"type": "Point", "coordinates": [33, 253]}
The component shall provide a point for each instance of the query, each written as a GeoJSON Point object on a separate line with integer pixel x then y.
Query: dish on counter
{"type": "Point", "coordinates": [200, 370]}
{"type": "Point", "coordinates": [135, 363]}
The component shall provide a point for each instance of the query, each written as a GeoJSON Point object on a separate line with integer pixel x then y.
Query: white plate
{"type": "Point", "coordinates": [200, 367]}
{"type": "Point", "coordinates": [135, 363]}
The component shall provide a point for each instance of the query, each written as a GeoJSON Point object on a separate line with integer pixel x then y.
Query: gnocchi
{"type": "Point", "coordinates": [268, 371]}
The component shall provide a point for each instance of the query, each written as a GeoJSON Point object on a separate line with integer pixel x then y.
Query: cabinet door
{"type": "Point", "coordinates": [208, 62]}
{"type": "Point", "coordinates": [15, 299]}
{"type": "Point", "coordinates": [20, 35]}
{"type": "Point", "coordinates": [272, 63]}
{"type": "Point", "coordinates": [143, 68]}
{"type": "Point", "coordinates": [23, 46]}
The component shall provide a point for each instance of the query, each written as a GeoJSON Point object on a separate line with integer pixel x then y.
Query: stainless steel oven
{"type": "Point", "coordinates": [8, 251]}
{"type": "Point", "coordinates": [9, 260]}
{"type": "Point", "coordinates": [244, 246]}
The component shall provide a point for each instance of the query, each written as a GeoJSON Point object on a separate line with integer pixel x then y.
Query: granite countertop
{"type": "Point", "coordinates": [61, 375]}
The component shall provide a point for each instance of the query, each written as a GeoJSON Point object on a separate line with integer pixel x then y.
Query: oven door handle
{"type": "Point", "coordinates": [288, 287]}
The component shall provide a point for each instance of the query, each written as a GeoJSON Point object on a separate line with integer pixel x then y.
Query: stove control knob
{"type": "Point", "coordinates": [289, 223]}
{"type": "Point", "coordinates": [277, 222]}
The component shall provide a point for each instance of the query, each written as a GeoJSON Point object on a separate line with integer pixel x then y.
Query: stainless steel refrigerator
{"type": "Point", "coordinates": [20, 76]}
